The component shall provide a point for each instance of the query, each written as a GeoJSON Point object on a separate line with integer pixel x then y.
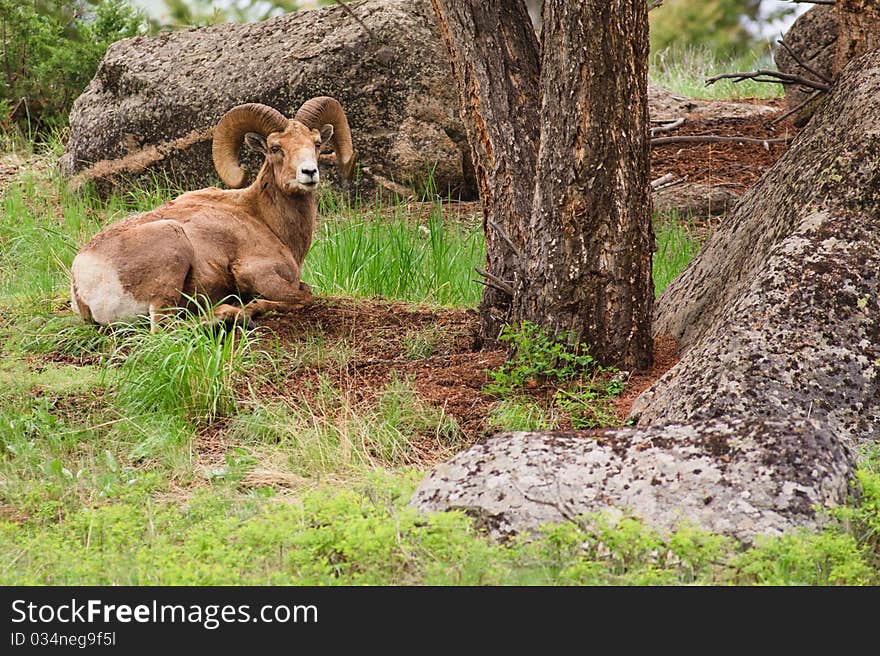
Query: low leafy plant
{"type": "Point", "coordinates": [520, 413]}
{"type": "Point", "coordinates": [538, 357]}
{"type": "Point", "coordinates": [584, 388]}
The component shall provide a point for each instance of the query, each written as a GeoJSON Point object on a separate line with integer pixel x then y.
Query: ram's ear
{"type": "Point", "coordinates": [256, 141]}
{"type": "Point", "coordinates": [326, 133]}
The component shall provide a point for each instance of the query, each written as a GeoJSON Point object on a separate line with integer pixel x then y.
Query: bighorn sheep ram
{"type": "Point", "coordinates": [249, 243]}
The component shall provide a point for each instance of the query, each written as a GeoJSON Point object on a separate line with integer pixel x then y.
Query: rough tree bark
{"type": "Point", "coordinates": [496, 61]}
{"type": "Point", "coordinates": [590, 238]}
{"type": "Point", "coordinates": [858, 30]}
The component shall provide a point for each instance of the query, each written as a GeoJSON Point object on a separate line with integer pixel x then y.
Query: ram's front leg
{"type": "Point", "coordinates": [279, 292]}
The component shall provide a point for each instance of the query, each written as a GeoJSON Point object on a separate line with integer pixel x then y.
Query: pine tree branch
{"type": "Point", "coordinates": [802, 63]}
{"type": "Point", "coordinates": [765, 75]}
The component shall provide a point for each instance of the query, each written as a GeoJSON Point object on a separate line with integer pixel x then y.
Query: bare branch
{"type": "Point", "coordinates": [813, 2]}
{"type": "Point", "coordinates": [796, 108]}
{"type": "Point", "coordinates": [496, 282]}
{"type": "Point", "coordinates": [351, 13]}
{"type": "Point", "coordinates": [662, 181]}
{"type": "Point", "coordinates": [497, 228]}
{"type": "Point", "coordinates": [764, 75]}
{"type": "Point", "coordinates": [802, 63]}
{"type": "Point", "coordinates": [654, 4]}
{"type": "Point", "coordinates": [669, 127]}
{"type": "Point", "coordinates": [710, 138]}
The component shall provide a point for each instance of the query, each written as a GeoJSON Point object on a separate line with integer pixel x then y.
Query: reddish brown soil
{"type": "Point", "coordinates": [376, 332]}
{"type": "Point", "coordinates": [736, 166]}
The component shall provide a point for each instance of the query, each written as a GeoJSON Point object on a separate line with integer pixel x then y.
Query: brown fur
{"type": "Point", "coordinates": [217, 243]}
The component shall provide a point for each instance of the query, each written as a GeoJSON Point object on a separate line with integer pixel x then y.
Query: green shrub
{"type": "Point", "coordinates": [583, 387]}
{"type": "Point", "coordinates": [51, 50]}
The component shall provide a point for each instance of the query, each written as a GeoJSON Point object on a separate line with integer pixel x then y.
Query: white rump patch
{"type": "Point", "coordinates": [99, 287]}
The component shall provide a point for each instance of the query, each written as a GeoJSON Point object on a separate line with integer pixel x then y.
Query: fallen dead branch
{"type": "Point", "coordinates": [709, 138]}
{"type": "Point", "coordinates": [766, 75]}
{"type": "Point", "coordinates": [668, 127]}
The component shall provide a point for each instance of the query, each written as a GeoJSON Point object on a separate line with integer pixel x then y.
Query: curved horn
{"type": "Point", "coordinates": [229, 135]}
{"type": "Point", "coordinates": [322, 110]}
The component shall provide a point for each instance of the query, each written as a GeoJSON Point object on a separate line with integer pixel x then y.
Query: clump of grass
{"type": "Point", "coordinates": [396, 256]}
{"type": "Point", "coordinates": [332, 432]}
{"type": "Point", "coordinates": [521, 414]}
{"type": "Point", "coordinates": [676, 246]}
{"type": "Point", "coordinates": [683, 70]}
{"type": "Point", "coordinates": [189, 368]}
{"type": "Point", "coordinates": [60, 335]}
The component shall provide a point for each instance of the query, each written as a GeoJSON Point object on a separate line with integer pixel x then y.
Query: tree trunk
{"type": "Point", "coordinates": [496, 61]}
{"type": "Point", "coordinates": [590, 238]}
{"type": "Point", "coordinates": [858, 30]}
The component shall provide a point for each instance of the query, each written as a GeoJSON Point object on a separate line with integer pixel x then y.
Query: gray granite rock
{"type": "Point", "coordinates": [741, 478]}
{"type": "Point", "coordinates": [153, 102]}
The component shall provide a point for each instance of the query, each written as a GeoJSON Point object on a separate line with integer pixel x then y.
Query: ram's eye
{"type": "Point", "coordinates": [318, 143]}
{"type": "Point", "coordinates": [276, 149]}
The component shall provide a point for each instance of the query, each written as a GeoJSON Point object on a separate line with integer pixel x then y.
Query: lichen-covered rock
{"type": "Point", "coordinates": [778, 385]}
{"type": "Point", "coordinates": [739, 477]}
{"type": "Point", "coordinates": [833, 163]}
{"type": "Point", "coordinates": [813, 37]}
{"type": "Point", "coordinates": [152, 104]}
{"type": "Point", "coordinates": [801, 339]}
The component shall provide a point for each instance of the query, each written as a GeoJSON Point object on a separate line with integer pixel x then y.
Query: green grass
{"type": "Point", "coordinates": [366, 534]}
{"type": "Point", "coordinates": [330, 431]}
{"type": "Point", "coordinates": [187, 369]}
{"type": "Point", "coordinates": [683, 70]}
{"type": "Point", "coordinates": [521, 413]}
{"type": "Point", "coordinates": [367, 253]}
{"type": "Point", "coordinates": [676, 245]}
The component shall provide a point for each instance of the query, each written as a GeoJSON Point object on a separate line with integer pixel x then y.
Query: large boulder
{"type": "Point", "coordinates": [813, 38]}
{"type": "Point", "coordinates": [153, 102]}
{"type": "Point", "coordinates": [778, 385]}
{"type": "Point", "coordinates": [798, 339]}
{"type": "Point", "coordinates": [739, 478]}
